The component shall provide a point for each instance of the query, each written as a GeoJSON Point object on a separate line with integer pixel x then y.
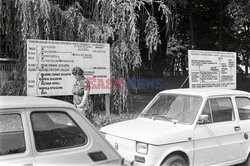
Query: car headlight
{"type": "Point", "coordinates": [141, 148]}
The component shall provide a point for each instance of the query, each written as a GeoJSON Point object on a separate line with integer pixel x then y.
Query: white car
{"type": "Point", "coordinates": [187, 127]}
{"type": "Point", "coordinates": [40, 131]}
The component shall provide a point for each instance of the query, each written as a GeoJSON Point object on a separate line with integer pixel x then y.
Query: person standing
{"type": "Point", "coordinates": [80, 90]}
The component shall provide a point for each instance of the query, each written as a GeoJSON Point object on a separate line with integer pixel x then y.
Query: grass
{"type": "Point", "coordinates": [137, 104]}
{"type": "Point", "coordinates": [101, 119]}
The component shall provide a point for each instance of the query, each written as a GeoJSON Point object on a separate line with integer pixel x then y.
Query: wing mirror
{"type": "Point", "coordinates": [203, 119]}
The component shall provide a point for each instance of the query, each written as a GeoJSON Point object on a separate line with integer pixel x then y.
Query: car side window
{"type": "Point", "coordinates": [222, 109]}
{"type": "Point", "coordinates": [55, 131]}
{"type": "Point", "coordinates": [219, 110]}
{"type": "Point", "coordinates": [243, 105]}
{"type": "Point", "coordinates": [207, 111]}
{"type": "Point", "coordinates": [12, 139]}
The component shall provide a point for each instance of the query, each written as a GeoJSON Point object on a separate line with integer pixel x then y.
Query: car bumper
{"type": "Point", "coordinates": [126, 148]}
{"type": "Point", "coordinates": [134, 163]}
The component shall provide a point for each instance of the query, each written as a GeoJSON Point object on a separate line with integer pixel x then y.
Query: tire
{"type": "Point", "coordinates": [174, 160]}
{"type": "Point", "coordinates": [247, 162]}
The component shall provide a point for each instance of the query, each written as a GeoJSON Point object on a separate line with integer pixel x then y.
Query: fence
{"type": "Point", "coordinates": [7, 65]}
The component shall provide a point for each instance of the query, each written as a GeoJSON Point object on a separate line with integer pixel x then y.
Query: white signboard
{"type": "Point", "coordinates": [212, 69]}
{"type": "Point", "coordinates": [50, 63]}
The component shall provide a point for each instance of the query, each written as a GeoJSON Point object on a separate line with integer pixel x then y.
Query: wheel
{"type": "Point", "coordinates": [247, 162]}
{"type": "Point", "coordinates": [174, 160]}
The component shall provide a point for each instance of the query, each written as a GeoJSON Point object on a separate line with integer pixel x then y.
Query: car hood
{"type": "Point", "coordinates": [156, 132]}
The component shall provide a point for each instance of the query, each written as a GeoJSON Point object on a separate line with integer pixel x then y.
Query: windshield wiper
{"type": "Point", "coordinates": [146, 115]}
{"type": "Point", "coordinates": [165, 118]}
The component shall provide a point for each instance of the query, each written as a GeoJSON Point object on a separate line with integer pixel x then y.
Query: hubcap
{"type": "Point", "coordinates": [177, 164]}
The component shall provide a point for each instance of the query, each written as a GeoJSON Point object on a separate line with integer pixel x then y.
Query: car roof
{"type": "Point", "coordinates": [28, 102]}
{"type": "Point", "coordinates": [207, 92]}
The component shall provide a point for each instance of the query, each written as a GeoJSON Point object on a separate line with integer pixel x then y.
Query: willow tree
{"type": "Point", "coordinates": [102, 21]}
{"type": "Point", "coordinates": [239, 12]}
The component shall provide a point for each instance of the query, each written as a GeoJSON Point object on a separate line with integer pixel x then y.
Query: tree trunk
{"type": "Point", "coordinates": [221, 19]}
{"type": "Point", "coordinates": [191, 27]}
{"type": "Point", "coordinates": [246, 64]}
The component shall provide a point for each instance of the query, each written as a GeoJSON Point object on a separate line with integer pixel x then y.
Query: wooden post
{"type": "Point", "coordinates": [184, 82]}
{"type": "Point", "coordinates": [107, 104]}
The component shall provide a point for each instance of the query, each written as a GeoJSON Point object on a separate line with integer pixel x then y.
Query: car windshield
{"type": "Point", "coordinates": [174, 108]}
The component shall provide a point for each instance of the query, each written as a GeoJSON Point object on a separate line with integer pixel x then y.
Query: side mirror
{"type": "Point", "coordinates": [203, 119]}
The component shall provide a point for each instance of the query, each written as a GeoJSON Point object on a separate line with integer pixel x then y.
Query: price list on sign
{"type": "Point", "coordinates": [212, 69]}
{"type": "Point", "coordinates": [50, 63]}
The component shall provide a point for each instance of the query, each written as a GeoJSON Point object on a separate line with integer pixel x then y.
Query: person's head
{"type": "Point", "coordinates": [77, 72]}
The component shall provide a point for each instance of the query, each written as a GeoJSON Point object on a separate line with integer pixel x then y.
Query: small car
{"type": "Point", "coordinates": [41, 131]}
{"type": "Point", "coordinates": [187, 127]}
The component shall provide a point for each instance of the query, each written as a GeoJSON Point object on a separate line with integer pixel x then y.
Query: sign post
{"type": "Point", "coordinates": [107, 104]}
{"type": "Point", "coordinates": [212, 69]}
{"type": "Point", "coordinates": [50, 63]}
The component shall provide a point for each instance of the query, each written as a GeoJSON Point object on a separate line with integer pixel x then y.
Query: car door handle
{"type": "Point", "coordinates": [237, 128]}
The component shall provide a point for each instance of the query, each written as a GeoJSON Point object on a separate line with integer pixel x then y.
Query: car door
{"type": "Point", "coordinates": [61, 136]}
{"type": "Point", "coordinates": [243, 107]}
{"type": "Point", "coordinates": [219, 139]}
{"type": "Point", "coordinates": [15, 148]}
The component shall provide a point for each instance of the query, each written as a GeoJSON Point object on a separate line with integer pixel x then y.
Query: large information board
{"type": "Point", "coordinates": [212, 69]}
{"type": "Point", "coordinates": [50, 63]}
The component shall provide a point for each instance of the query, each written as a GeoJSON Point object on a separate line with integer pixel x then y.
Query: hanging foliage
{"type": "Point", "coordinates": [177, 56]}
{"type": "Point", "coordinates": [152, 34]}
{"type": "Point", "coordinates": [100, 21]}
